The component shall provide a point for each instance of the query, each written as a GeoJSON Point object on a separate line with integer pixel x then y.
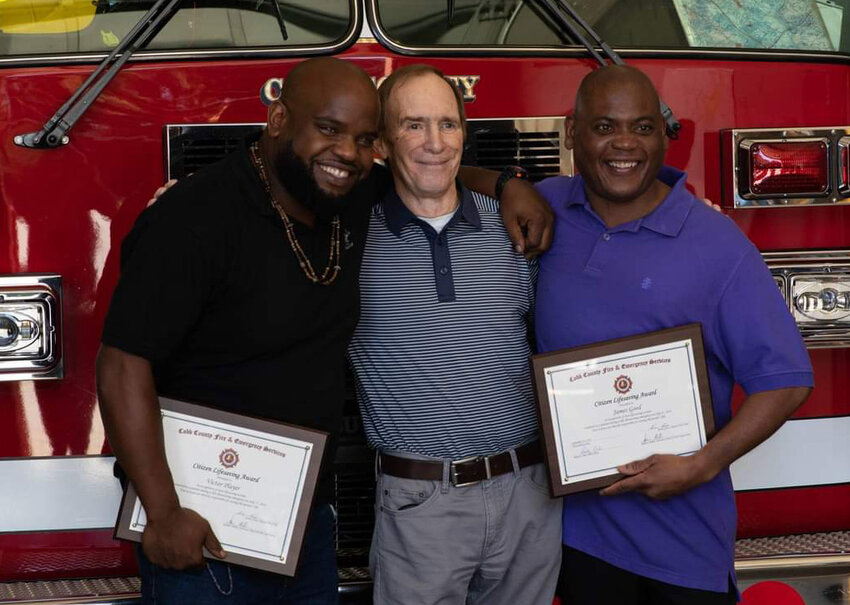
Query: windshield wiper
{"type": "Point", "coordinates": [54, 133]}
{"type": "Point", "coordinates": [280, 21]}
{"type": "Point", "coordinates": [556, 10]}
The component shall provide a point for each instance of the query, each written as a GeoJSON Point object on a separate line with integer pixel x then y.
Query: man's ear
{"type": "Point", "coordinates": [569, 131]}
{"type": "Point", "coordinates": [277, 118]}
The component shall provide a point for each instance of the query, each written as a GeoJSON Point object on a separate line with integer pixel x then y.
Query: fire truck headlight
{"type": "Point", "coordinates": [820, 298]}
{"type": "Point", "coordinates": [8, 331]}
{"type": "Point", "coordinates": [30, 314]}
{"type": "Point", "coordinates": [816, 286]}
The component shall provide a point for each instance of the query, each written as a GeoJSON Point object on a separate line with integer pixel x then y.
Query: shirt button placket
{"type": "Point", "coordinates": [597, 258]}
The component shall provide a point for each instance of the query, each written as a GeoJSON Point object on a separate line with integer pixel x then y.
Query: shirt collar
{"type": "Point", "coordinates": [398, 215]}
{"type": "Point", "coordinates": [667, 218]}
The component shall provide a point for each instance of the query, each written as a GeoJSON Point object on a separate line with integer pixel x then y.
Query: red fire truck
{"type": "Point", "coordinates": [103, 100]}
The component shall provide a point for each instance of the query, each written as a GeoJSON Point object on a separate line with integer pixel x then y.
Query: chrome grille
{"type": "Point", "coordinates": [533, 143]}
{"type": "Point", "coordinates": [189, 148]}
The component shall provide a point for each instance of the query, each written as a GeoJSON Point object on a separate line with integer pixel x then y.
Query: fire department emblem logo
{"type": "Point", "coordinates": [623, 384]}
{"type": "Point", "coordinates": [228, 458]}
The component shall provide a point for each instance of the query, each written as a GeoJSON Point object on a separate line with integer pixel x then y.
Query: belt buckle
{"type": "Point", "coordinates": [453, 471]}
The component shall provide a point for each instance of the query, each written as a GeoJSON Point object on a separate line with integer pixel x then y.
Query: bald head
{"type": "Point", "coordinates": [323, 76]}
{"type": "Point", "coordinates": [600, 82]}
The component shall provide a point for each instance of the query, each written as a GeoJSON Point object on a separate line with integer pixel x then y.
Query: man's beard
{"type": "Point", "coordinates": [299, 181]}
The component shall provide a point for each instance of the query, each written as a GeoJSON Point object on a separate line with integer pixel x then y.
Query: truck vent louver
{"type": "Point", "coordinates": [534, 144]}
{"type": "Point", "coordinates": [496, 147]}
{"type": "Point", "coordinates": [190, 148]}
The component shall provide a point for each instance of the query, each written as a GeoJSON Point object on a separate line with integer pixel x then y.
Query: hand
{"type": "Point", "coordinates": [175, 540]}
{"type": "Point", "coordinates": [705, 201]}
{"type": "Point", "coordinates": [528, 218]}
{"type": "Point", "coordinates": [156, 194]}
{"type": "Point", "coordinates": [660, 476]}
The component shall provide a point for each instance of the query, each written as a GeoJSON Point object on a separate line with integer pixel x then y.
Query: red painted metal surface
{"type": "Point", "coordinates": [66, 210]}
{"type": "Point", "coordinates": [793, 511]}
{"type": "Point", "coordinates": [64, 554]}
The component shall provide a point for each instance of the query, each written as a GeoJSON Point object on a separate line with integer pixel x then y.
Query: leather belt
{"type": "Point", "coordinates": [467, 471]}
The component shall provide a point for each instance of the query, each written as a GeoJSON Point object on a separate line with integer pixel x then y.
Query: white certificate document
{"type": "Point", "coordinates": [249, 484]}
{"type": "Point", "coordinates": [617, 408]}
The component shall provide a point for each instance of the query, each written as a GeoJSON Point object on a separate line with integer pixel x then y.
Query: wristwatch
{"type": "Point", "coordinates": [511, 172]}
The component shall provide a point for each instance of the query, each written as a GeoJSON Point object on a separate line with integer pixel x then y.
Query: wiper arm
{"type": "Point", "coordinates": [280, 21]}
{"type": "Point", "coordinates": [557, 8]}
{"type": "Point", "coordinates": [54, 133]}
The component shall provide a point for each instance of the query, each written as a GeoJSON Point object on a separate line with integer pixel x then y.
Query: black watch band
{"type": "Point", "coordinates": [511, 172]}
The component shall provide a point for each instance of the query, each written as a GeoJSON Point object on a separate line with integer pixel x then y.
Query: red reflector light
{"type": "Point", "coordinates": [788, 168]}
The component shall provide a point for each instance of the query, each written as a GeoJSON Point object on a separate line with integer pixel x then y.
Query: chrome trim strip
{"type": "Point", "coordinates": [689, 53]}
{"type": "Point", "coordinates": [807, 256]}
{"type": "Point", "coordinates": [828, 563]}
{"type": "Point", "coordinates": [842, 158]}
{"type": "Point", "coordinates": [351, 36]}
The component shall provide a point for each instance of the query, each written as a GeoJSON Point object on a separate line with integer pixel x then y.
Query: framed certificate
{"type": "Point", "coordinates": [252, 480]}
{"type": "Point", "coordinates": [613, 402]}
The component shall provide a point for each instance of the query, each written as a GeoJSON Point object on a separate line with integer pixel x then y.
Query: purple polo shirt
{"type": "Point", "coordinates": [681, 263]}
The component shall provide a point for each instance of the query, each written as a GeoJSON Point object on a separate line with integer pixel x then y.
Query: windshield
{"type": "Point", "coordinates": [38, 27]}
{"type": "Point", "coordinates": [801, 25]}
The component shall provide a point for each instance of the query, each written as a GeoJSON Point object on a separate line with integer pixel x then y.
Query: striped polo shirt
{"type": "Point", "coordinates": [440, 355]}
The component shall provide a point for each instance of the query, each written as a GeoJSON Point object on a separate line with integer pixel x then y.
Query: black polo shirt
{"type": "Point", "coordinates": [213, 295]}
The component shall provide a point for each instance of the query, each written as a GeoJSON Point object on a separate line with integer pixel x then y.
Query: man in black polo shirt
{"type": "Point", "coordinates": [239, 290]}
{"type": "Point", "coordinates": [220, 302]}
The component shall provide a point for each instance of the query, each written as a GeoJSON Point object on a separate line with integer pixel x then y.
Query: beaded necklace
{"type": "Point", "coordinates": [332, 270]}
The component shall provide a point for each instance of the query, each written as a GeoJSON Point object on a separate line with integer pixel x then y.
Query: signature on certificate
{"type": "Point", "coordinates": [252, 523]}
{"type": "Point", "coordinates": [588, 450]}
{"type": "Point", "coordinates": [665, 432]}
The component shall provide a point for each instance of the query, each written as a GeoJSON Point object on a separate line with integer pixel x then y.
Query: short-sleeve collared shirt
{"type": "Point", "coordinates": [681, 263]}
{"type": "Point", "coordinates": [440, 354]}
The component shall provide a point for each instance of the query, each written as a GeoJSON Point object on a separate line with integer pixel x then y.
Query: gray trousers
{"type": "Point", "coordinates": [497, 542]}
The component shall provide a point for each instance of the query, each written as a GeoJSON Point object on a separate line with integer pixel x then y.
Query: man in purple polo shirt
{"type": "Point", "coordinates": [635, 252]}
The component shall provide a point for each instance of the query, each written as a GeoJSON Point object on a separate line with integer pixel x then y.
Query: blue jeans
{"type": "Point", "coordinates": [218, 583]}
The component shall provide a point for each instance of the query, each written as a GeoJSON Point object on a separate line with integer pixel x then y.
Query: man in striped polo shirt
{"type": "Point", "coordinates": [463, 512]}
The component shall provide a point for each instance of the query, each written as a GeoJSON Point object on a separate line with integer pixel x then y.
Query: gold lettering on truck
{"type": "Point", "coordinates": [270, 91]}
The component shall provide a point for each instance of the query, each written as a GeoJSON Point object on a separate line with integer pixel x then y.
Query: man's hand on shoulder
{"type": "Point", "coordinates": [174, 541]}
{"type": "Point", "coordinates": [160, 190]}
{"type": "Point", "coordinates": [528, 218]}
{"type": "Point", "coordinates": [660, 476]}
{"type": "Point", "coordinates": [705, 201]}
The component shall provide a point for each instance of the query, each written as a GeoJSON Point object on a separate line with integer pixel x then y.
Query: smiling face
{"type": "Point", "coordinates": [323, 135]}
{"type": "Point", "coordinates": [423, 139]}
{"type": "Point", "coordinates": [617, 135]}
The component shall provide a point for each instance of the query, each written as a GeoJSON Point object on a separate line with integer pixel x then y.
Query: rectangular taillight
{"type": "Point", "coordinates": [783, 168]}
